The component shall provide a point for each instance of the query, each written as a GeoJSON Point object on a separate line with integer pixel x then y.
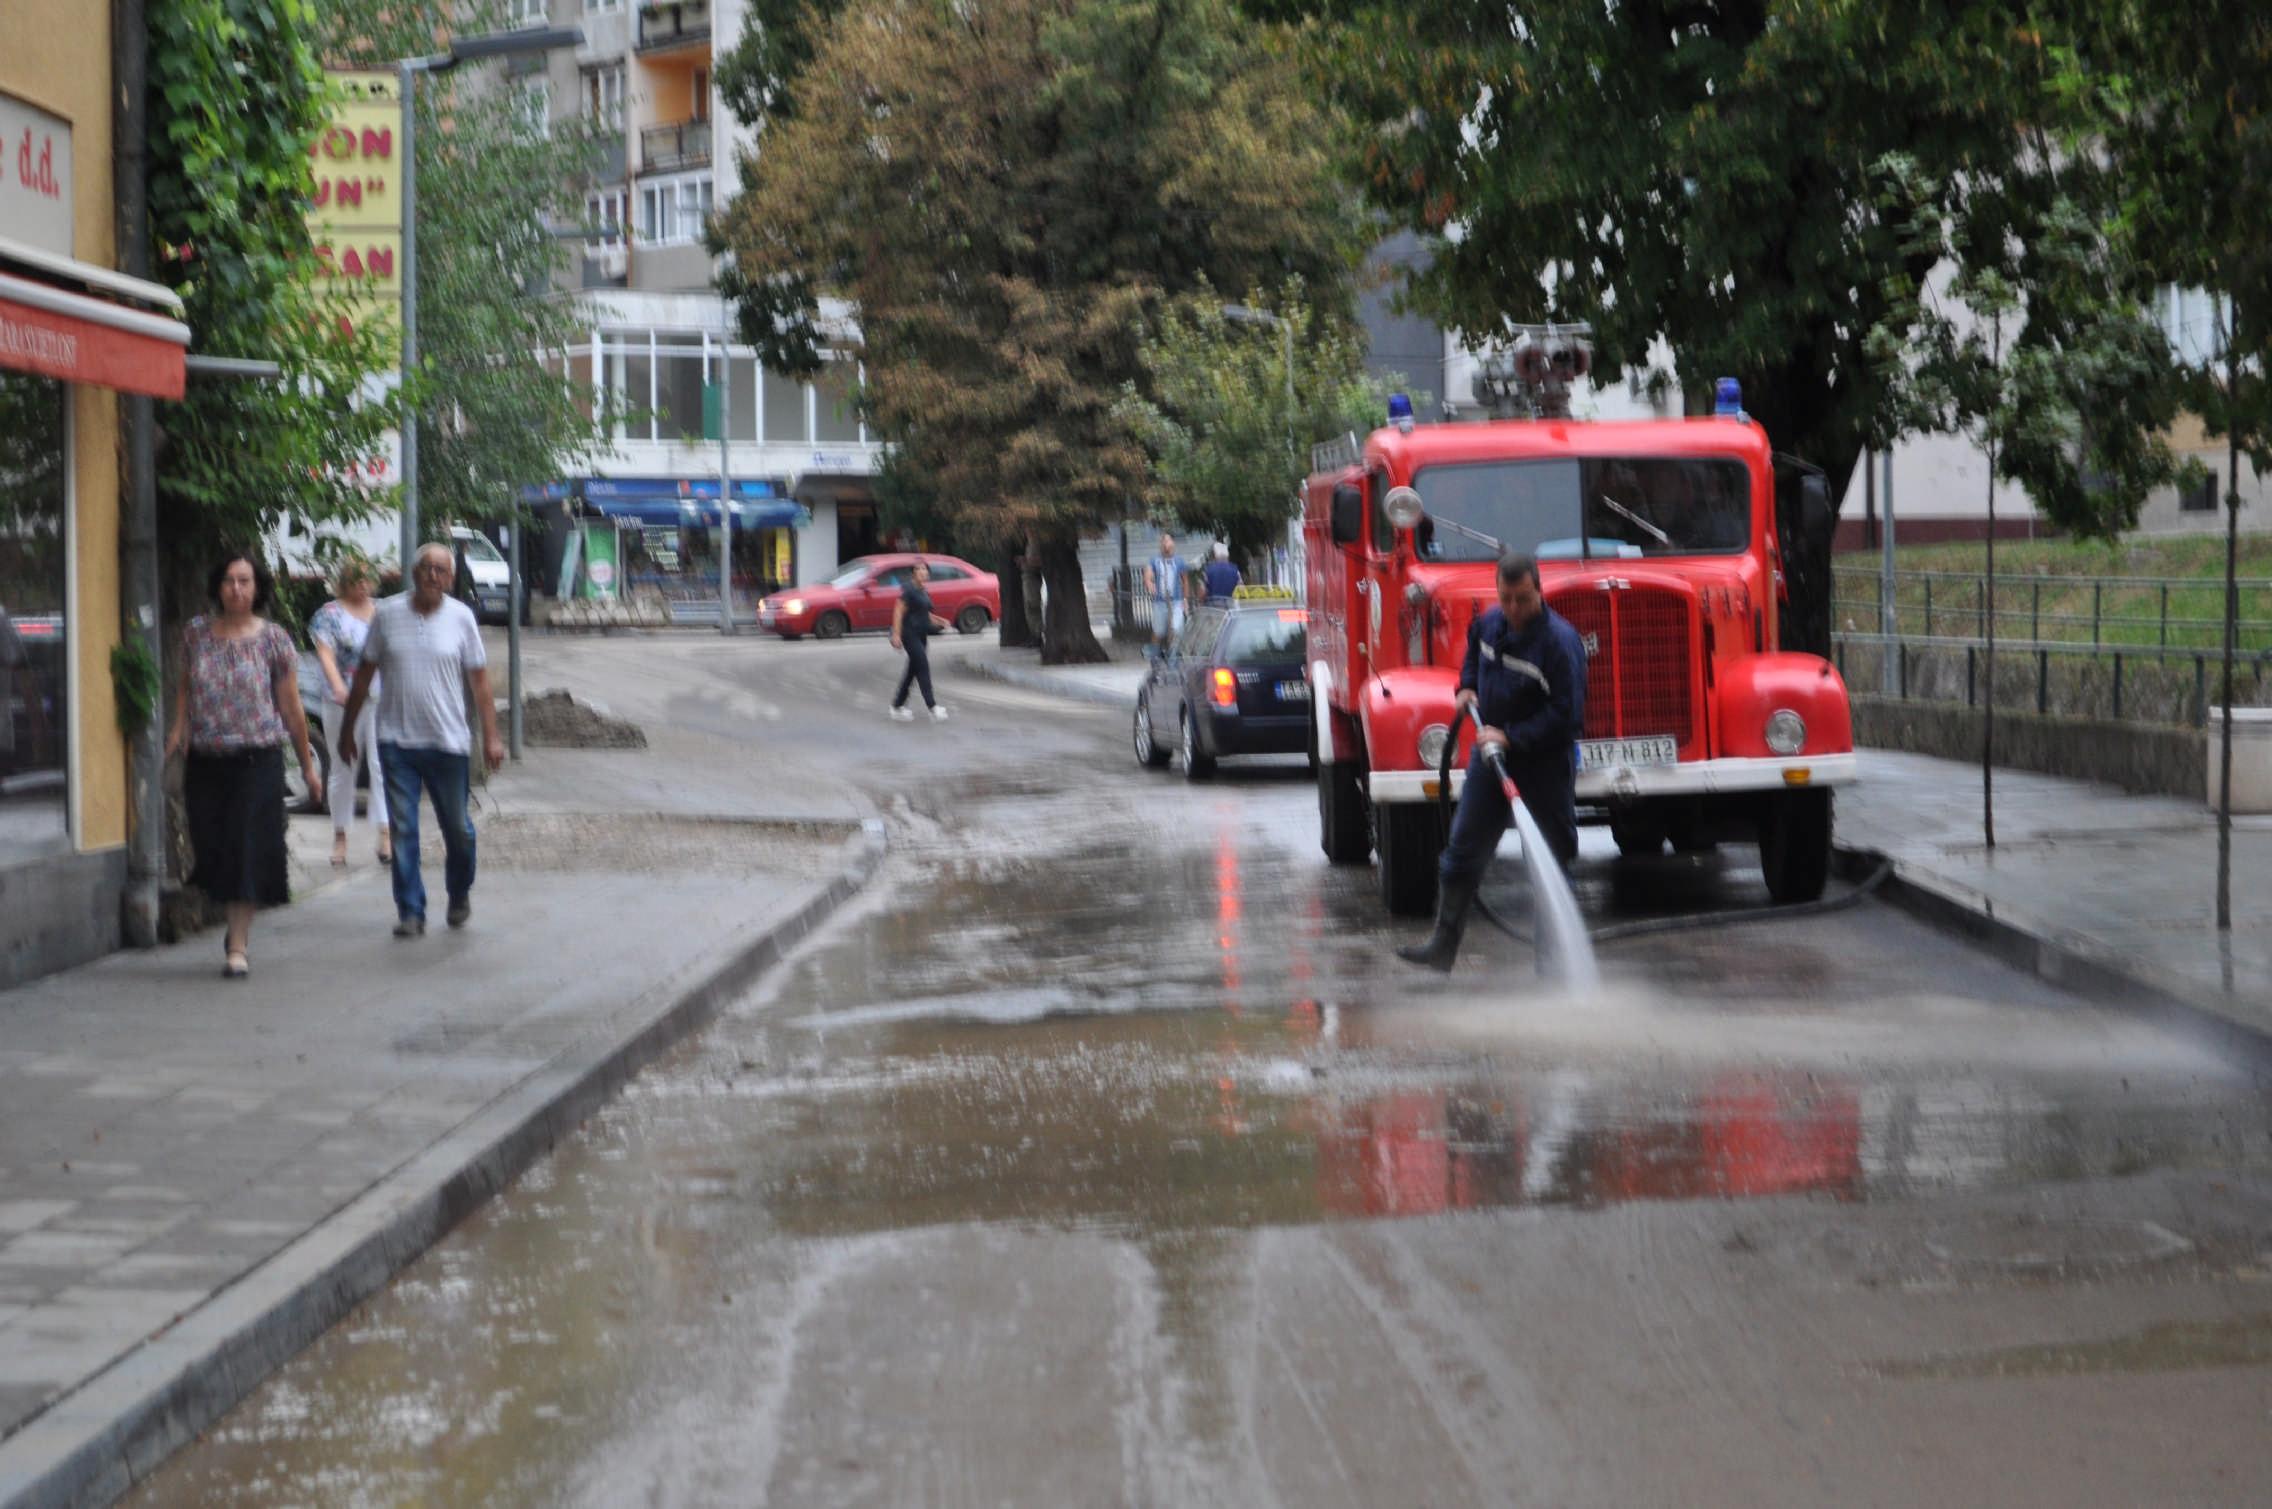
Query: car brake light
{"type": "Point", "coordinates": [1226, 688]}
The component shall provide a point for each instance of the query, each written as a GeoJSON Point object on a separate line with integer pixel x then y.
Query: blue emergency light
{"type": "Point", "coordinates": [1727, 399]}
{"type": "Point", "coordinates": [1400, 412]}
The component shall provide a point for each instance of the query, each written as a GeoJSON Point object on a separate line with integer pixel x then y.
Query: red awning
{"type": "Point", "coordinates": [56, 333]}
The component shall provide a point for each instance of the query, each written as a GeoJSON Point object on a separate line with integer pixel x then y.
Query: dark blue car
{"type": "Point", "coordinates": [1236, 682]}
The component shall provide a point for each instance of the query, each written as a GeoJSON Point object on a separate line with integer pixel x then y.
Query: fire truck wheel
{"type": "Point", "coordinates": [1197, 763]}
{"type": "Point", "coordinates": [1638, 835]}
{"type": "Point", "coordinates": [1410, 840]}
{"type": "Point", "coordinates": [1341, 814]}
{"type": "Point", "coordinates": [1794, 845]}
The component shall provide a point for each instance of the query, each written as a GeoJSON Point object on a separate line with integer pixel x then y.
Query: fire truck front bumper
{"type": "Point", "coordinates": [1626, 783]}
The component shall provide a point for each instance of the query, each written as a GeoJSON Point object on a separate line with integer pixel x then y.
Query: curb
{"type": "Point", "coordinates": [2073, 963]}
{"type": "Point", "coordinates": [1036, 680]}
{"type": "Point", "coordinates": [96, 1443]}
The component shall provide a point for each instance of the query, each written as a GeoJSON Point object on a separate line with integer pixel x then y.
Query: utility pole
{"type": "Point", "coordinates": [725, 493]}
{"type": "Point", "coordinates": [406, 72]}
{"type": "Point", "coordinates": [1889, 621]}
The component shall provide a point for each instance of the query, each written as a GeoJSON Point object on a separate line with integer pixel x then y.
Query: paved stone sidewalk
{"type": "Point", "coordinates": [2129, 879]}
{"type": "Point", "coordinates": [172, 1145]}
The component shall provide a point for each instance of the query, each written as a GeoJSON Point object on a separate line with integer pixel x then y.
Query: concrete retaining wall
{"type": "Point", "coordinates": [2133, 756]}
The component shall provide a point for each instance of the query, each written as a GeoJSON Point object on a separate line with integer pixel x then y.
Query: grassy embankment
{"type": "Point", "coordinates": [2053, 589]}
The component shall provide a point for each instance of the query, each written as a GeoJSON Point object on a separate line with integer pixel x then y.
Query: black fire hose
{"type": "Point", "coordinates": [1685, 922]}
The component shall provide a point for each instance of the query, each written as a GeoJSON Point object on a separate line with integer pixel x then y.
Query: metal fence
{"type": "Point", "coordinates": [2120, 683]}
{"type": "Point", "coordinates": [2184, 613]}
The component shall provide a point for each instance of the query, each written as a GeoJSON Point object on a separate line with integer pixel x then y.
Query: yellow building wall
{"type": "Point", "coordinates": [56, 55]}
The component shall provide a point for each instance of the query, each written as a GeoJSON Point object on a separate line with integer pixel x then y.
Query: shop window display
{"type": "Point", "coordinates": [34, 501]}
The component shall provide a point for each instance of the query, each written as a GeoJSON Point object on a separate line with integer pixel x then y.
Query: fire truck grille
{"type": "Point", "coordinates": [1640, 675]}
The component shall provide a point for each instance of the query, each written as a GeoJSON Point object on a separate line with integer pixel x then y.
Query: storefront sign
{"type": "Point", "coordinates": [836, 461]}
{"type": "Point", "coordinates": [80, 350]}
{"type": "Point", "coordinates": [355, 193]}
{"type": "Point", "coordinates": [35, 177]}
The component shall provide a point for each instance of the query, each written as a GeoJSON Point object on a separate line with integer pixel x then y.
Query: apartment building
{"type": "Point", "coordinates": [799, 464]}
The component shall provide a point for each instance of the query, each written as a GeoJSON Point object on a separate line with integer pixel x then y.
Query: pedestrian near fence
{"type": "Point", "coordinates": [426, 654]}
{"type": "Point", "coordinates": [339, 631]}
{"type": "Point", "coordinates": [1220, 577]}
{"type": "Point", "coordinates": [235, 707]}
{"type": "Point", "coordinates": [1164, 574]}
{"type": "Point", "coordinates": [912, 625]}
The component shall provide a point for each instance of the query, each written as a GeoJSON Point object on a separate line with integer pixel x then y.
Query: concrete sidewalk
{"type": "Point", "coordinates": [2121, 882]}
{"type": "Point", "coordinates": [1109, 685]}
{"type": "Point", "coordinates": [197, 1176]}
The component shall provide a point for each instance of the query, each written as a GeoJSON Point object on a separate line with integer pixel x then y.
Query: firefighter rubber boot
{"type": "Point", "coordinates": [1453, 897]}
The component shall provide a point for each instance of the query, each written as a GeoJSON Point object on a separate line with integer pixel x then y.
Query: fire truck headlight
{"type": "Point", "coordinates": [1403, 507]}
{"type": "Point", "coordinates": [1786, 732]}
{"type": "Point", "coordinates": [1433, 738]}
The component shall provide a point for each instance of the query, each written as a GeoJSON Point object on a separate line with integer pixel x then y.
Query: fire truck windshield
{"type": "Point", "coordinates": [1563, 509]}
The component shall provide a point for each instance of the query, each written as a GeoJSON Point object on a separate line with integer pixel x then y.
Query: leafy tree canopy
{"type": "Point", "coordinates": [237, 93]}
{"type": "Point", "coordinates": [1004, 192]}
{"type": "Point", "coordinates": [1229, 447]}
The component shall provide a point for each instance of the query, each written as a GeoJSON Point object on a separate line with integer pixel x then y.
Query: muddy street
{"type": "Point", "coordinates": [1101, 1153]}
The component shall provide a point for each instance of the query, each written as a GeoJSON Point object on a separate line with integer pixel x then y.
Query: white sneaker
{"type": "Point", "coordinates": [938, 715]}
{"type": "Point", "coordinates": [902, 715]}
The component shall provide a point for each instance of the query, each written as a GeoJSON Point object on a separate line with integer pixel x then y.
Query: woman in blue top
{"type": "Point", "coordinates": [338, 632]}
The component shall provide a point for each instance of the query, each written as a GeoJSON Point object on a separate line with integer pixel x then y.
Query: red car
{"type": "Point", "coordinates": [863, 594]}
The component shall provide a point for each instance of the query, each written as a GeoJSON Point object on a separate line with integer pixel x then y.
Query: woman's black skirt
{"type": "Point", "coordinates": [236, 825]}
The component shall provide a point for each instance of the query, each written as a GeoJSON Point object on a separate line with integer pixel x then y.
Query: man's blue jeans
{"type": "Point", "coordinates": [1549, 790]}
{"type": "Point", "coordinates": [447, 779]}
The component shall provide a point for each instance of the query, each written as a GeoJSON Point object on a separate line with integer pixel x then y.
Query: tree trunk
{"type": "Point", "coordinates": [1029, 584]}
{"type": "Point", "coordinates": [1988, 703]}
{"type": "Point", "coordinates": [1009, 572]}
{"type": "Point", "coordinates": [1066, 638]}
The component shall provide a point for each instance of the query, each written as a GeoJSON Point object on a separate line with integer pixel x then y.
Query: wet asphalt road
{"type": "Point", "coordinates": [1099, 1156]}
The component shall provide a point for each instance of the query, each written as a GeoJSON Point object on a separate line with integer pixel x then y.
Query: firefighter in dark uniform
{"type": "Point", "coordinates": [1526, 672]}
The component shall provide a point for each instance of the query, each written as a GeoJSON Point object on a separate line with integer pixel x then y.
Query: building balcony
{"type": "Point", "coordinates": [668, 149]}
{"type": "Point", "coordinates": [669, 25]}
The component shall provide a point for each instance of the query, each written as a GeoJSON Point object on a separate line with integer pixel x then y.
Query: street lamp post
{"type": "Point", "coordinates": [495, 44]}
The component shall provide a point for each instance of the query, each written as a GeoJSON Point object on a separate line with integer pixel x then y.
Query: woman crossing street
{"type": "Point", "coordinates": [912, 625]}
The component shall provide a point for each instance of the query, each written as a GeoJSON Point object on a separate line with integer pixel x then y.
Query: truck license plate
{"type": "Point", "coordinates": [1607, 754]}
{"type": "Point", "coordinates": [1293, 691]}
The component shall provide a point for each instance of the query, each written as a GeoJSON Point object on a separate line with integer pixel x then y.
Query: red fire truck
{"type": "Point", "coordinates": [1660, 541]}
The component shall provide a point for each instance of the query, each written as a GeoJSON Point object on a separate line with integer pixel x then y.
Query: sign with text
{"type": "Point", "coordinates": [35, 177]}
{"type": "Point", "coordinates": [355, 192]}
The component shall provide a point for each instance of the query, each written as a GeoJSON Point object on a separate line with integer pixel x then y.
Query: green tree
{"type": "Point", "coordinates": [501, 192]}
{"type": "Point", "coordinates": [1005, 192]}
{"type": "Point", "coordinates": [1704, 170]}
{"type": "Point", "coordinates": [237, 94]}
{"type": "Point", "coordinates": [1229, 445]}
{"type": "Point", "coordinates": [2180, 102]}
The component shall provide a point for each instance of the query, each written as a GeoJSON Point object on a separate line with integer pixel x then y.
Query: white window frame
{"type": "Point", "coordinates": [535, 102]}
{"type": "Point", "coordinates": [610, 211]}
{"type": "Point", "coordinates": [528, 12]}
{"type": "Point", "coordinates": [690, 201]}
{"type": "Point", "coordinates": [603, 95]}
{"type": "Point", "coordinates": [601, 7]}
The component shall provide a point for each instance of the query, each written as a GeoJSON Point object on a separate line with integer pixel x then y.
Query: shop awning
{"type": "Point", "coordinates": [78, 338]}
{"type": "Point", "coordinates": [663, 512]}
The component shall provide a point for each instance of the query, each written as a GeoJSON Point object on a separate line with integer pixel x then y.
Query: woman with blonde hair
{"type": "Point", "coordinates": [338, 632]}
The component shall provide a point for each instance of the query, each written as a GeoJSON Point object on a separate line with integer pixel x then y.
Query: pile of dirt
{"type": "Point", "coordinates": [557, 720]}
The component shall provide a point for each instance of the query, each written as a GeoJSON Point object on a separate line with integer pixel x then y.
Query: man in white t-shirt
{"type": "Point", "coordinates": [425, 647]}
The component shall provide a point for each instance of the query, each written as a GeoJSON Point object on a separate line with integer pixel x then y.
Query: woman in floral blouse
{"type": "Point", "coordinates": [237, 703]}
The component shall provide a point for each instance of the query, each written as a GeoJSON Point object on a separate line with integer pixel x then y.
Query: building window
{"type": "Point", "coordinates": [603, 219]}
{"type": "Point", "coordinates": [2200, 499]}
{"type": "Point", "coordinates": [601, 7]}
{"type": "Point", "coordinates": [700, 95]}
{"type": "Point", "coordinates": [674, 211]}
{"type": "Point", "coordinates": [603, 96]}
{"type": "Point", "coordinates": [34, 720]}
{"type": "Point", "coordinates": [784, 417]}
{"type": "Point", "coordinates": [529, 12]}
{"type": "Point", "coordinates": [837, 417]}
{"type": "Point", "coordinates": [535, 101]}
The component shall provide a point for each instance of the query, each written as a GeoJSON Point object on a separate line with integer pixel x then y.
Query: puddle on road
{"type": "Point", "coordinates": [1107, 1049]}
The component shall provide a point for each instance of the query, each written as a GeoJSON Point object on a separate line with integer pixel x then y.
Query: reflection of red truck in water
{"type": "Point", "coordinates": [1749, 1136]}
{"type": "Point", "coordinates": [1660, 542]}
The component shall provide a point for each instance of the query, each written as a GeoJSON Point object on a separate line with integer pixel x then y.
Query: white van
{"type": "Point", "coordinates": [492, 577]}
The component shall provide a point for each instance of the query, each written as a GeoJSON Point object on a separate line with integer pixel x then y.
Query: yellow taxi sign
{"type": "Point", "coordinates": [1262, 594]}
